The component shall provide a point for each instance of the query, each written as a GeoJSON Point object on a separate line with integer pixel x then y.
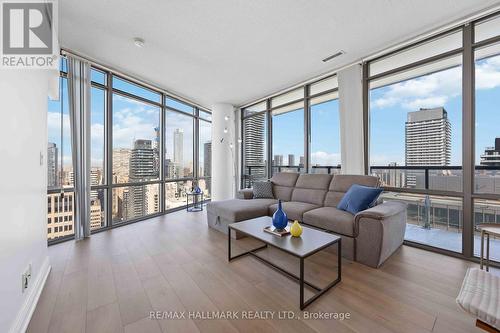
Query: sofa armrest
{"type": "Point", "coordinates": [246, 193]}
{"type": "Point", "coordinates": [380, 231]}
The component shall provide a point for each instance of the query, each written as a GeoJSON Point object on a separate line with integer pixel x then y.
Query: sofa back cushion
{"type": "Point", "coordinates": [283, 184]}
{"type": "Point", "coordinates": [341, 184]}
{"type": "Point", "coordinates": [311, 188]}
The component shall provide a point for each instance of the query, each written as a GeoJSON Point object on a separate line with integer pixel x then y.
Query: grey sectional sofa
{"type": "Point", "coordinates": [368, 237]}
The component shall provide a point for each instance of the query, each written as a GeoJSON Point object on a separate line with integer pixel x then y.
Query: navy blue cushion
{"type": "Point", "coordinates": [359, 198]}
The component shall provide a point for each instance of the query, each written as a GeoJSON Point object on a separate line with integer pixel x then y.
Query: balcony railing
{"type": "Point", "coordinates": [440, 178]}
{"type": "Point", "coordinates": [252, 173]}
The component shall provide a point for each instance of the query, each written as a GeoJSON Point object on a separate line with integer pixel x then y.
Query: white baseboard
{"type": "Point", "coordinates": [24, 315]}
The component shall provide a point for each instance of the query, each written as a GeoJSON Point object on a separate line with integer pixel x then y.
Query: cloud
{"type": "Point", "coordinates": [324, 158]}
{"type": "Point", "coordinates": [424, 92]}
{"type": "Point", "coordinates": [436, 89]}
{"type": "Point", "coordinates": [54, 126]}
{"type": "Point", "coordinates": [429, 102]}
{"type": "Point", "coordinates": [488, 73]}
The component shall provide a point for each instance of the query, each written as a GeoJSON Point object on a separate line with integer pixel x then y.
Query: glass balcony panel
{"type": "Point", "coordinates": [487, 211]}
{"type": "Point", "coordinates": [432, 220]}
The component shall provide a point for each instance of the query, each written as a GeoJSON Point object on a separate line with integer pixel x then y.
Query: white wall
{"type": "Point", "coordinates": [23, 196]}
{"type": "Point", "coordinates": [351, 120]}
{"type": "Point", "coordinates": [223, 156]}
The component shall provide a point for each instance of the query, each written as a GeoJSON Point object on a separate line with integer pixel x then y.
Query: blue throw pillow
{"type": "Point", "coordinates": [359, 198]}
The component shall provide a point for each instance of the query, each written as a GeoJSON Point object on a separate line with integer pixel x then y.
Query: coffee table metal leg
{"type": "Point", "coordinates": [228, 244]}
{"type": "Point", "coordinates": [482, 250]}
{"type": "Point", "coordinates": [229, 257]}
{"type": "Point", "coordinates": [304, 304]}
{"type": "Point", "coordinates": [301, 282]}
{"type": "Point", "coordinates": [339, 260]}
{"type": "Point", "coordinates": [487, 252]}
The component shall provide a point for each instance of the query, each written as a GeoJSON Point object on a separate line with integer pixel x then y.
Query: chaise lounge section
{"type": "Point", "coordinates": [369, 237]}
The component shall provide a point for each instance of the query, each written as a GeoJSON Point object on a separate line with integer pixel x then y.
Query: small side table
{"type": "Point", "coordinates": [487, 230]}
{"type": "Point", "coordinates": [197, 201]}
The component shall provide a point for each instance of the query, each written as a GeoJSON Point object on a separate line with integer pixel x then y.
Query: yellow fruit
{"type": "Point", "coordinates": [296, 229]}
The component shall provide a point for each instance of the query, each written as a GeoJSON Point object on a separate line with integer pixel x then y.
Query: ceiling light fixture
{"type": "Point", "coordinates": [139, 42]}
{"type": "Point", "coordinates": [335, 55]}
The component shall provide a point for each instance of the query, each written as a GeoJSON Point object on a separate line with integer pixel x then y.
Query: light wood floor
{"type": "Point", "coordinates": [112, 281]}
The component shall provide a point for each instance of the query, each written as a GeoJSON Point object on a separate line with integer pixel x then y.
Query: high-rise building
{"type": "Point", "coordinates": [142, 161]}
{"type": "Point", "coordinates": [52, 152]}
{"type": "Point", "coordinates": [207, 159]}
{"type": "Point", "coordinates": [178, 141]}
{"type": "Point", "coordinates": [278, 160]}
{"type": "Point", "coordinates": [291, 159]}
{"type": "Point", "coordinates": [427, 141]}
{"type": "Point", "coordinates": [254, 146]}
{"type": "Point", "coordinates": [95, 179]}
{"type": "Point", "coordinates": [96, 217]}
{"type": "Point", "coordinates": [171, 169]}
{"type": "Point", "coordinates": [121, 165]}
{"type": "Point", "coordinates": [156, 150]}
{"type": "Point", "coordinates": [142, 168]}
{"type": "Point", "coordinates": [491, 155]}
{"type": "Point", "coordinates": [302, 161]}
{"type": "Point", "coordinates": [428, 137]}
{"type": "Point", "coordinates": [60, 215]}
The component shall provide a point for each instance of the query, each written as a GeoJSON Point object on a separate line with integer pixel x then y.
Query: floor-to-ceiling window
{"type": "Point", "coordinates": [297, 131]}
{"type": "Point", "coordinates": [434, 138]}
{"type": "Point", "coordinates": [324, 127]}
{"type": "Point", "coordinates": [287, 119]}
{"type": "Point", "coordinates": [143, 152]}
{"type": "Point", "coordinates": [415, 139]}
{"type": "Point", "coordinates": [255, 144]}
{"type": "Point", "coordinates": [135, 151]}
{"type": "Point", "coordinates": [60, 201]}
{"type": "Point", "coordinates": [205, 153]}
{"type": "Point", "coordinates": [179, 152]}
{"type": "Point", "coordinates": [98, 177]}
{"type": "Point", "coordinates": [487, 130]}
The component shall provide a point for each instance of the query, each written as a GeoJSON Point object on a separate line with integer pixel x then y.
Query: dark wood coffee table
{"type": "Point", "coordinates": [310, 242]}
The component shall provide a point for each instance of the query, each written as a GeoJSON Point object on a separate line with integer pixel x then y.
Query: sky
{"type": "Point", "coordinates": [288, 134]}
{"type": "Point", "coordinates": [390, 105]}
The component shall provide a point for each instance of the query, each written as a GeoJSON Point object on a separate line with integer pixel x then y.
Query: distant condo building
{"type": "Point", "coordinates": [156, 150]}
{"type": "Point", "coordinates": [278, 160]}
{"type": "Point", "coordinates": [52, 157]}
{"type": "Point", "coordinates": [207, 162]}
{"type": "Point", "coordinates": [121, 165]}
{"type": "Point", "coordinates": [178, 144]}
{"type": "Point", "coordinates": [427, 141]}
{"type": "Point", "coordinates": [291, 159]}
{"type": "Point", "coordinates": [254, 146]}
{"type": "Point", "coordinates": [142, 199]}
{"type": "Point", "coordinates": [59, 215]}
{"type": "Point", "coordinates": [491, 155]}
{"type": "Point", "coordinates": [178, 141]}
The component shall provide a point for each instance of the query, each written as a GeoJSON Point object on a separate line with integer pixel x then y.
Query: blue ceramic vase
{"type": "Point", "coordinates": [280, 220]}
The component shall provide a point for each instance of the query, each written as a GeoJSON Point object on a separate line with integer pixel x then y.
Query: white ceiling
{"type": "Point", "coordinates": [235, 51]}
